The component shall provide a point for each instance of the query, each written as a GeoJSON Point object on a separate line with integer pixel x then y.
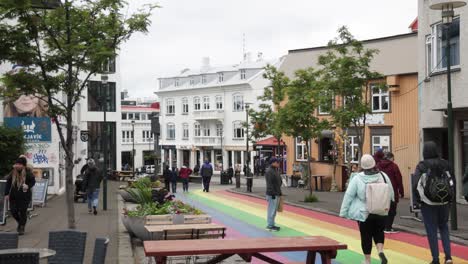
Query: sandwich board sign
{"type": "Point", "coordinates": [39, 192]}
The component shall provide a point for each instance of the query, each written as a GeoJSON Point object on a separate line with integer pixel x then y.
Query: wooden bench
{"type": "Point", "coordinates": [188, 231]}
{"type": "Point", "coordinates": [246, 248]}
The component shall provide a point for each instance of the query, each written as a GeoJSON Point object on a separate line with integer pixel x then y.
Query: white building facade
{"type": "Point", "coordinates": [203, 114]}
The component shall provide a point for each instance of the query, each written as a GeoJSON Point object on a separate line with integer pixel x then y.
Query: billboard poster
{"type": "Point", "coordinates": [36, 129]}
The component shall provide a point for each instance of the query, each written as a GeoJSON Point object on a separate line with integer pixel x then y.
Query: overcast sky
{"type": "Point", "coordinates": [184, 31]}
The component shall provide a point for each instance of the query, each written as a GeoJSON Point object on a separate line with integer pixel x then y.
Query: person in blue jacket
{"type": "Point", "coordinates": [354, 207]}
{"type": "Point", "coordinates": [206, 173]}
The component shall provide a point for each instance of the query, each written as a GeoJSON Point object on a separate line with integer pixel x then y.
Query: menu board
{"type": "Point", "coordinates": [39, 192]}
{"type": "Point", "coordinates": [2, 202]}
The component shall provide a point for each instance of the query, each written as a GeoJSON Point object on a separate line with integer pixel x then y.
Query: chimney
{"type": "Point", "coordinates": [205, 64]}
{"type": "Point", "coordinates": [260, 56]}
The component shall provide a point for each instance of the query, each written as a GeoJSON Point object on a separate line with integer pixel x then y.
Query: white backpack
{"type": "Point", "coordinates": [378, 197]}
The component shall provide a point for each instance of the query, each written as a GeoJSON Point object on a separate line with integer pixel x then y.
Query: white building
{"type": "Point", "coordinates": [432, 69]}
{"type": "Point", "coordinates": [203, 111]}
{"type": "Point", "coordinates": [136, 133]}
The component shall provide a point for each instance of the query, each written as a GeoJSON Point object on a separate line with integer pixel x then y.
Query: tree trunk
{"type": "Point", "coordinates": [69, 185]}
{"type": "Point", "coordinates": [280, 155]}
{"type": "Point", "coordinates": [309, 167]}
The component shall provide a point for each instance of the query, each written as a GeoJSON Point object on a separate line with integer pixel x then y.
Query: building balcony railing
{"type": "Point", "coordinates": [207, 141]}
{"type": "Point", "coordinates": [209, 115]}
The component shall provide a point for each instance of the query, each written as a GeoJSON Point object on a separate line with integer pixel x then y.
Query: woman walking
{"type": "Point", "coordinates": [174, 177]}
{"type": "Point", "coordinates": [435, 214]}
{"type": "Point", "coordinates": [184, 176]}
{"type": "Point", "coordinates": [91, 183]}
{"type": "Point", "coordinates": [371, 226]}
{"type": "Point", "coordinates": [167, 175]}
{"type": "Point", "coordinates": [18, 192]}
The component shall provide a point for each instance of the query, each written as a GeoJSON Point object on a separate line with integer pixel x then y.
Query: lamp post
{"type": "Point", "coordinates": [447, 7]}
{"type": "Point", "coordinates": [104, 79]}
{"type": "Point", "coordinates": [133, 148]}
{"type": "Point", "coordinates": [247, 162]}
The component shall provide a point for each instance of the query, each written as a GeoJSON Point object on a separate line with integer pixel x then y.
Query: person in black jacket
{"type": "Point", "coordinates": [18, 192]}
{"type": "Point", "coordinates": [167, 175]}
{"type": "Point", "coordinates": [465, 184]}
{"type": "Point", "coordinates": [273, 193]}
{"type": "Point", "coordinates": [91, 183]}
{"type": "Point", "coordinates": [206, 173]}
{"type": "Point", "coordinates": [435, 215]}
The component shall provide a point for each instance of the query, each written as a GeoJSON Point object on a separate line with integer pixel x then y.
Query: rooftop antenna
{"type": "Point", "coordinates": [243, 47]}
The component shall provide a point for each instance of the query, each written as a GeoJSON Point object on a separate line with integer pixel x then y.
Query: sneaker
{"type": "Point", "coordinates": [94, 210]}
{"type": "Point", "coordinates": [21, 230]}
{"type": "Point", "coordinates": [277, 228]}
{"type": "Point", "coordinates": [383, 258]}
{"type": "Point", "coordinates": [448, 261]}
{"type": "Point", "coordinates": [90, 211]}
{"type": "Point", "coordinates": [390, 231]}
{"type": "Point", "coordinates": [272, 229]}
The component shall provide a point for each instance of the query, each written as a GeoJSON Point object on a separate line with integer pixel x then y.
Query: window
{"type": "Point", "coordinates": [326, 106]}
{"type": "Point", "coordinates": [97, 94]}
{"type": "Point", "coordinates": [196, 104]}
{"type": "Point", "coordinates": [203, 79]}
{"type": "Point", "coordinates": [220, 77]}
{"type": "Point", "coordinates": [197, 130]}
{"type": "Point", "coordinates": [219, 130]}
{"type": "Point", "coordinates": [136, 116]}
{"type": "Point", "coordinates": [192, 81]}
{"type": "Point", "coordinates": [242, 74]}
{"type": "Point", "coordinates": [176, 82]}
{"type": "Point", "coordinates": [185, 131]}
{"type": "Point", "coordinates": [380, 100]}
{"type": "Point", "coordinates": [238, 130]}
{"type": "Point", "coordinates": [238, 103]}
{"type": "Point", "coordinates": [185, 106]}
{"type": "Point", "coordinates": [108, 66]}
{"type": "Point", "coordinates": [170, 107]}
{"type": "Point", "coordinates": [131, 116]}
{"type": "Point", "coordinates": [301, 149]}
{"type": "Point", "coordinates": [124, 116]}
{"type": "Point", "coordinates": [219, 102]}
{"type": "Point", "coordinates": [352, 149]}
{"type": "Point", "coordinates": [170, 131]}
{"type": "Point", "coordinates": [147, 136]}
{"type": "Point", "coordinates": [144, 116]}
{"type": "Point", "coordinates": [206, 103]}
{"type": "Point", "coordinates": [206, 130]}
{"type": "Point", "coordinates": [127, 136]}
{"type": "Point", "coordinates": [326, 149]}
{"type": "Point", "coordinates": [380, 142]}
{"type": "Point", "coordinates": [436, 44]}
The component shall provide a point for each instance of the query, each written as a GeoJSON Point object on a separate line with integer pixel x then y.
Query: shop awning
{"type": "Point", "coordinates": [271, 141]}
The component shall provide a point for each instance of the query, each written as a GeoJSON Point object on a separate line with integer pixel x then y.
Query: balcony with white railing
{"type": "Point", "coordinates": [207, 141]}
{"type": "Point", "coordinates": [209, 115]}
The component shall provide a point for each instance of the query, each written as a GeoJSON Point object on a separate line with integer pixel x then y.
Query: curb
{"type": "Point", "coordinates": [455, 239]}
{"type": "Point", "coordinates": [126, 255]}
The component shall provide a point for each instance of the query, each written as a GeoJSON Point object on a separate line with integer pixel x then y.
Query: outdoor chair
{"type": "Point", "coordinates": [69, 246]}
{"type": "Point", "coordinates": [19, 258]}
{"type": "Point", "coordinates": [100, 250]}
{"type": "Point", "coordinates": [8, 240]}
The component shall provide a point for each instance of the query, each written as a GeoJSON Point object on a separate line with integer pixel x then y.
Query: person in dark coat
{"type": "Point", "coordinates": [435, 215]}
{"type": "Point", "coordinates": [465, 184]}
{"type": "Point", "coordinates": [184, 174]}
{"type": "Point", "coordinates": [390, 168]}
{"type": "Point", "coordinates": [174, 177]}
{"type": "Point", "coordinates": [230, 174]}
{"type": "Point", "coordinates": [91, 183]}
{"type": "Point", "coordinates": [18, 192]}
{"type": "Point", "coordinates": [167, 175]}
{"type": "Point", "coordinates": [206, 173]}
{"type": "Point", "coordinates": [273, 193]}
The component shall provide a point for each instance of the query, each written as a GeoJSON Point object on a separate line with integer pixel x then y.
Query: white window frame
{"type": "Point", "coordinates": [203, 79]}
{"type": "Point", "coordinates": [170, 133]}
{"type": "Point", "coordinates": [206, 103]}
{"type": "Point", "coordinates": [196, 104]}
{"type": "Point", "coordinates": [185, 106]}
{"type": "Point", "coordinates": [192, 81]}
{"type": "Point", "coordinates": [177, 82]}
{"type": "Point", "coordinates": [388, 145]}
{"type": "Point", "coordinates": [185, 131]}
{"type": "Point", "coordinates": [321, 112]}
{"type": "Point", "coordinates": [220, 77]}
{"type": "Point", "coordinates": [353, 147]}
{"type": "Point", "coordinates": [381, 94]}
{"type": "Point", "coordinates": [436, 47]}
{"type": "Point", "coordinates": [147, 136]}
{"type": "Point", "coordinates": [300, 144]}
{"type": "Point", "coordinates": [170, 106]}
{"type": "Point", "coordinates": [197, 129]}
{"type": "Point", "coordinates": [219, 129]}
{"type": "Point", "coordinates": [206, 130]}
{"type": "Point", "coordinates": [131, 116]}
{"type": "Point", "coordinates": [243, 74]}
{"type": "Point", "coordinates": [429, 54]}
{"type": "Point", "coordinates": [237, 106]}
{"type": "Point", "coordinates": [219, 102]}
{"type": "Point", "coordinates": [124, 116]}
{"type": "Point", "coordinates": [144, 116]}
{"type": "Point", "coordinates": [235, 126]}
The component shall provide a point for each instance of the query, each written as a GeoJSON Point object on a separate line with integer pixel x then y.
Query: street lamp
{"type": "Point", "coordinates": [104, 79]}
{"type": "Point", "coordinates": [133, 148]}
{"type": "Point", "coordinates": [247, 168]}
{"type": "Point", "coordinates": [447, 7]}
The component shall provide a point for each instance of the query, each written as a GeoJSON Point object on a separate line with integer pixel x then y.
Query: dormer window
{"type": "Point", "coordinates": [203, 79]}
{"type": "Point", "coordinates": [176, 83]}
{"type": "Point", "coordinates": [192, 81]}
{"type": "Point", "coordinates": [242, 74]}
{"type": "Point", "coordinates": [220, 77]}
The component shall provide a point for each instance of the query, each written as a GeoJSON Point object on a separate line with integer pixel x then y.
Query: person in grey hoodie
{"type": "Point", "coordinates": [273, 193]}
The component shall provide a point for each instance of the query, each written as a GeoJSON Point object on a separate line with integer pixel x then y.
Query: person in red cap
{"type": "Point", "coordinates": [18, 192]}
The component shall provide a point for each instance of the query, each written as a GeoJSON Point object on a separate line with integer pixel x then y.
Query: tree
{"type": "Point", "coordinates": [346, 75]}
{"type": "Point", "coordinates": [265, 121]}
{"type": "Point", "coordinates": [12, 146]}
{"type": "Point", "coordinates": [60, 50]}
{"type": "Point", "coordinates": [298, 115]}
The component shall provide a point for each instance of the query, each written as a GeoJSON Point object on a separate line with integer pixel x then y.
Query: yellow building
{"type": "Point", "coordinates": [393, 124]}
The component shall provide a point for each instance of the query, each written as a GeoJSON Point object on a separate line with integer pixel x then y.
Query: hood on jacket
{"type": "Point", "coordinates": [385, 163]}
{"type": "Point", "coordinates": [370, 178]}
{"type": "Point", "coordinates": [430, 150]}
{"type": "Point", "coordinates": [378, 156]}
{"type": "Point", "coordinates": [207, 162]}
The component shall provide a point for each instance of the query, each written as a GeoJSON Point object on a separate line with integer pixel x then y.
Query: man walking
{"type": "Point", "coordinates": [389, 167]}
{"type": "Point", "coordinates": [273, 193]}
{"type": "Point", "coordinates": [206, 173]}
{"type": "Point", "coordinates": [91, 183]}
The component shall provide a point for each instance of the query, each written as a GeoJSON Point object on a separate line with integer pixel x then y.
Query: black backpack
{"type": "Point", "coordinates": [438, 187]}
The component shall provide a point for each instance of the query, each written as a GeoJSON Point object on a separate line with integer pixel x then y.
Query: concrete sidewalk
{"type": "Point", "coordinates": [330, 203]}
{"type": "Point", "coordinates": [54, 217]}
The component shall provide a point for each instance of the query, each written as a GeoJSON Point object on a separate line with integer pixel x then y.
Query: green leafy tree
{"type": "Point", "coordinates": [298, 116]}
{"type": "Point", "coordinates": [12, 146]}
{"type": "Point", "coordinates": [60, 49]}
{"type": "Point", "coordinates": [345, 75]}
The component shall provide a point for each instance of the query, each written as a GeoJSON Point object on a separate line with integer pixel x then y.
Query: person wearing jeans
{"type": "Point", "coordinates": [91, 183]}
{"type": "Point", "coordinates": [273, 193]}
{"type": "Point", "coordinates": [184, 174]}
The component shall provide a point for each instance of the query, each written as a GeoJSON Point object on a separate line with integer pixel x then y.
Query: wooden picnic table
{"type": "Point", "coordinates": [246, 248]}
{"type": "Point", "coordinates": [192, 231]}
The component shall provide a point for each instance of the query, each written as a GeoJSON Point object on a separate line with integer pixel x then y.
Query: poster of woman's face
{"type": "Point", "coordinates": [26, 106]}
